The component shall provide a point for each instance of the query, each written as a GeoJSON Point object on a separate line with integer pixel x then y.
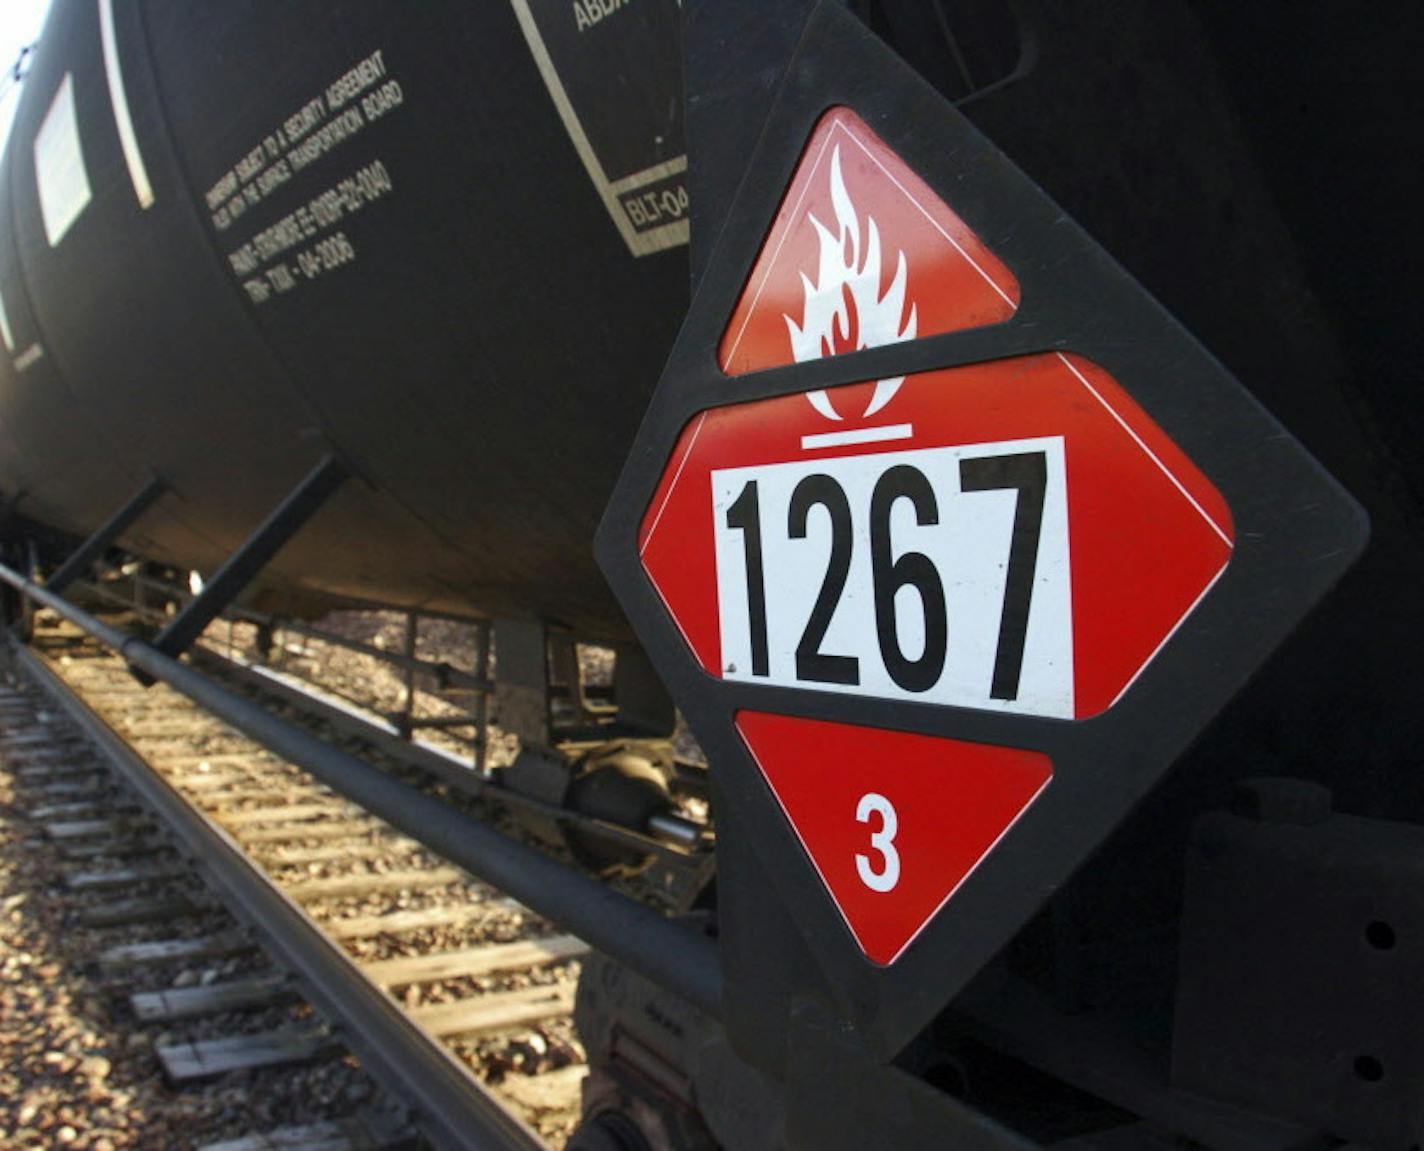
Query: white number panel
{"type": "Point", "coordinates": [938, 574]}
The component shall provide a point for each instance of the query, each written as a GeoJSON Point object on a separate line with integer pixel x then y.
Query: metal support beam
{"type": "Point", "coordinates": [83, 557]}
{"type": "Point", "coordinates": [244, 564]}
{"type": "Point", "coordinates": [521, 688]}
{"type": "Point", "coordinates": [407, 714]}
{"type": "Point", "coordinates": [481, 713]}
{"type": "Point", "coordinates": [674, 956]}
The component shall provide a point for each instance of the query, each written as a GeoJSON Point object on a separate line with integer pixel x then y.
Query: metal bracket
{"type": "Point", "coordinates": [244, 564]}
{"type": "Point", "coordinates": [83, 557]}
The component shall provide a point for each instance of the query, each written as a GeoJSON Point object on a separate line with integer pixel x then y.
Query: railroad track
{"type": "Point", "coordinates": [487, 985]}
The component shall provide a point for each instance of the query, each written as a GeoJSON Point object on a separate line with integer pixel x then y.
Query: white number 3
{"type": "Point", "coordinates": [881, 841]}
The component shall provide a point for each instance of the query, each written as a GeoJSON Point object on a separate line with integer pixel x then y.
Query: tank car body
{"type": "Point", "coordinates": [236, 240]}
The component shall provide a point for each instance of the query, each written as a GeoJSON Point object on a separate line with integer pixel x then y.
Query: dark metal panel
{"type": "Point", "coordinates": [1299, 971]}
{"type": "Point", "coordinates": [753, 42]}
{"type": "Point", "coordinates": [1296, 532]}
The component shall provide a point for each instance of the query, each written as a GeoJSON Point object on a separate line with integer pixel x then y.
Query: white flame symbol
{"type": "Point", "coordinates": [845, 311]}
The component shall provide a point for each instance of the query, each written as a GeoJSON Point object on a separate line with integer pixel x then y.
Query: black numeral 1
{"type": "Point", "coordinates": [745, 516]}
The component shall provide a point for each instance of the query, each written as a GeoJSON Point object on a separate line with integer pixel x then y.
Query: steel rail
{"type": "Point", "coordinates": [451, 1106]}
{"type": "Point", "coordinates": [673, 956]}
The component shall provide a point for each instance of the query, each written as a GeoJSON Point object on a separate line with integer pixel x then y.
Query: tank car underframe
{"type": "Point", "coordinates": [595, 775]}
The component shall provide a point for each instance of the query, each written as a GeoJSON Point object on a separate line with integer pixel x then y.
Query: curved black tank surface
{"type": "Point", "coordinates": [447, 240]}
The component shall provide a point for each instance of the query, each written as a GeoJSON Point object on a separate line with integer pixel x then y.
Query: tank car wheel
{"type": "Point", "coordinates": [623, 1112]}
{"type": "Point", "coordinates": [609, 1131]}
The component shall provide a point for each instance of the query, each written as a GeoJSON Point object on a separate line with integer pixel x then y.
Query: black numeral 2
{"type": "Point", "coordinates": [811, 662]}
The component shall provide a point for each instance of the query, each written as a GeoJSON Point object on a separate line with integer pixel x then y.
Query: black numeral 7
{"type": "Point", "coordinates": [1028, 474]}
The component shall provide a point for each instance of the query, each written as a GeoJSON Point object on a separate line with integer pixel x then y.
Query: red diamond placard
{"type": "Point", "coordinates": [943, 615]}
{"type": "Point", "coordinates": [1016, 535]}
{"type": "Point", "coordinates": [1124, 541]}
{"type": "Point", "coordinates": [892, 822]}
{"type": "Point", "coordinates": [862, 254]}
